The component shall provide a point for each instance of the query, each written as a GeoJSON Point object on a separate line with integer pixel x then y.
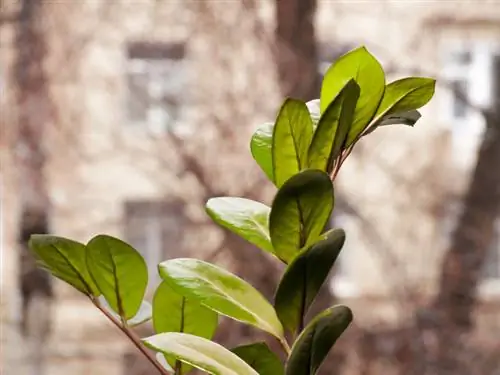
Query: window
{"type": "Point", "coordinates": [153, 228]}
{"type": "Point", "coordinates": [491, 270]}
{"type": "Point", "coordinates": [469, 68]}
{"type": "Point", "coordinates": [156, 83]}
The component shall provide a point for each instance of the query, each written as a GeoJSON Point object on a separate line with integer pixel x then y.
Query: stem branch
{"type": "Point", "coordinates": [133, 337]}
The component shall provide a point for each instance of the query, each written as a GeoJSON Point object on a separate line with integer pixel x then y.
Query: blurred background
{"type": "Point", "coordinates": [123, 117]}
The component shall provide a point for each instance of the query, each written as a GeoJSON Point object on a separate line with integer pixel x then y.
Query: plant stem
{"type": "Point", "coordinates": [285, 346]}
{"type": "Point", "coordinates": [133, 337]}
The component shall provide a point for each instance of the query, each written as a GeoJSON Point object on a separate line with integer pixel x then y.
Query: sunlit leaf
{"type": "Point", "coordinates": [291, 138]}
{"type": "Point", "coordinates": [248, 219]}
{"type": "Point", "coordinates": [199, 352]}
{"type": "Point", "coordinates": [119, 272]}
{"type": "Point", "coordinates": [65, 259]}
{"type": "Point", "coordinates": [364, 68]}
{"type": "Point", "coordinates": [220, 291]}
{"type": "Point", "coordinates": [261, 148]}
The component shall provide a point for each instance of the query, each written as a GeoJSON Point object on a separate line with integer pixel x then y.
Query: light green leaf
{"type": "Point", "coordinates": [333, 127]}
{"type": "Point", "coordinates": [160, 357]}
{"type": "Point", "coordinates": [361, 66]}
{"type": "Point", "coordinates": [304, 277]}
{"type": "Point", "coordinates": [200, 353]}
{"type": "Point", "coordinates": [260, 358]}
{"type": "Point", "coordinates": [174, 313]}
{"type": "Point", "coordinates": [290, 142]}
{"type": "Point", "coordinates": [248, 219]}
{"type": "Point", "coordinates": [405, 95]}
{"type": "Point", "coordinates": [261, 147]}
{"type": "Point", "coordinates": [299, 212]}
{"type": "Point", "coordinates": [220, 291]}
{"type": "Point", "coordinates": [316, 340]}
{"type": "Point", "coordinates": [65, 259]}
{"type": "Point", "coordinates": [143, 315]}
{"type": "Point", "coordinates": [119, 272]}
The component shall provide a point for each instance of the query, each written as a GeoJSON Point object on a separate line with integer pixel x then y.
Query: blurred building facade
{"type": "Point", "coordinates": [126, 74]}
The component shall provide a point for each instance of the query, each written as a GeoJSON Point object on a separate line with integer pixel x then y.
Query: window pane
{"type": "Point", "coordinates": [460, 106]}
{"type": "Point", "coordinates": [138, 96]}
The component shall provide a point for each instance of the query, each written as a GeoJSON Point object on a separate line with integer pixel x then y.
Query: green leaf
{"type": "Point", "coordinates": [261, 147]}
{"type": "Point", "coordinates": [65, 259]}
{"type": "Point", "coordinates": [248, 219]}
{"type": "Point", "coordinates": [119, 272]}
{"type": "Point", "coordinates": [221, 291]}
{"type": "Point", "coordinates": [299, 212]}
{"type": "Point", "coordinates": [200, 353]}
{"type": "Point", "coordinates": [405, 95]}
{"type": "Point", "coordinates": [361, 66]}
{"type": "Point", "coordinates": [174, 313]}
{"type": "Point", "coordinates": [316, 340]}
{"type": "Point", "coordinates": [314, 111]}
{"type": "Point", "coordinates": [143, 315]}
{"type": "Point", "coordinates": [260, 358]}
{"type": "Point", "coordinates": [304, 277]}
{"type": "Point", "coordinates": [160, 357]}
{"type": "Point", "coordinates": [409, 118]}
{"type": "Point", "coordinates": [290, 142]}
{"type": "Point", "coordinates": [333, 127]}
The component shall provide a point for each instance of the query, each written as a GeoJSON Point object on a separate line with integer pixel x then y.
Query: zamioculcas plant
{"type": "Point", "coordinates": [301, 153]}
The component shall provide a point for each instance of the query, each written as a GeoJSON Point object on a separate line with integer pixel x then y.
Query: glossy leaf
{"type": "Point", "coordinates": [361, 66]}
{"type": "Point", "coordinates": [220, 291]}
{"type": "Point", "coordinates": [260, 358]}
{"type": "Point", "coordinates": [314, 111]}
{"type": "Point", "coordinates": [248, 219]}
{"type": "Point", "coordinates": [199, 352]}
{"type": "Point", "coordinates": [409, 118]}
{"type": "Point", "coordinates": [261, 147]}
{"type": "Point", "coordinates": [316, 340]}
{"type": "Point", "coordinates": [143, 315]}
{"type": "Point", "coordinates": [174, 313]}
{"type": "Point", "coordinates": [404, 95]}
{"type": "Point", "coordinates": [333, 127]}
{"type": "Point", "coordinates": [291, 138]}
{"type": "Point", "coordinates": [304, 277]}
{"type": "Point", "coordinates": [65, 259]}
{"type": "Point", "coordinates": [299, 212]}
{"type": "Point", "coordinates": [119, 272]}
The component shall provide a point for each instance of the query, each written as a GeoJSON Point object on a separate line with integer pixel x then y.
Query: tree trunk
{"type": "Point", "coordinates": [471, 241]}
{"type": "Point", "coordinates": [34, 108]}
{"type": "Point", "coordinates": [297, 56]}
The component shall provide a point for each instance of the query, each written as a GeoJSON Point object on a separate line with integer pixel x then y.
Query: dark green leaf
{"type": "Point", "coordinates": [260, 358]}
{"type": "Point", "coordinates": [247, 218]}
{"type": "Point", "coordinates": [304, 277]}
{"type": "Point", "coordinates": [143, 315]}
{"type": "Point", "coordinates": [404, 118]}
{"type": "Point", "coordinates": [405, 95]}
{"type": "Point", "coordinates": [119, 272]}
{"type": "Point", "coordinates": [361, 66]}
{"type": "Point", "coordinates": [291, 138]}
{"type": "Point", "coordinates": [200, 353]}
{"type": "Point", "coordinates": [316, 340]}
{"type": "Point", "coordinates": [299, 212]}
{"type": "Point", "coordinates": [261, 147]}
{"type": "Point", "coordinates": [174, 313]}
{"type": "Point", "coordinates": [65, 259]}
{"type": "Point", "coordinates": [221, 291]}
{"type": "Point", "coordinates": [333, 127]}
